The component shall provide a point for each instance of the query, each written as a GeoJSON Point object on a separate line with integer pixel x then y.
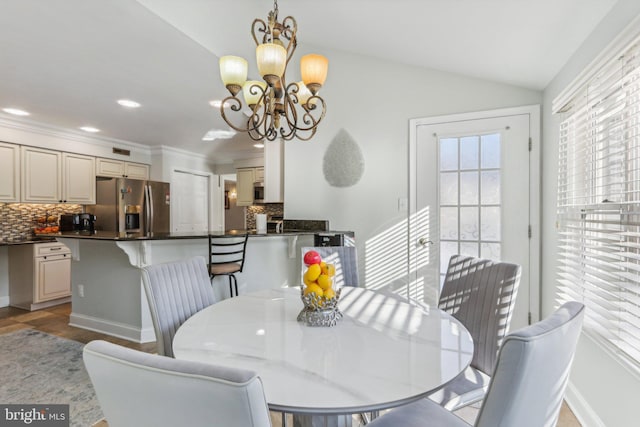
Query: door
{"type": "Point", "coordinates": [160, 202]}
{"type": "Point", "coordinates": [53, 276]}
{"type": "Point", "coordinates": [472, 193]}
{"type": "Point", "coordinates": [191, 201]}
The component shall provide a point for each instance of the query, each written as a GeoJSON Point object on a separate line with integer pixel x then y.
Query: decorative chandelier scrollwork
{"type": "Point", "coordinates": [275, 109]}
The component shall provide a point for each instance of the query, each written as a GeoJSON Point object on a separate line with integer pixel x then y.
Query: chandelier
{"type": "Point", "coordinates": [275, 109]}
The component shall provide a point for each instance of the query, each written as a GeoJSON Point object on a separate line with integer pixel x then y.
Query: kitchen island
{"type": "Point", "coordinates": [106, 275]}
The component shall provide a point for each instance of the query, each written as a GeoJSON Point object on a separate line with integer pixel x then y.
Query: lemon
{"type": "Point", "coordinates": [329, 294]}
{"type": "Point", "coordinates": [324, 282]}
{"type": "Point", "coordinates": [306, 280]}
{"type": "Point", "coordinates": [315, 289]}
{"type": "Point", "coordinates": [313, 272]}
{"type": "Point", "coordinates": [331, 270]}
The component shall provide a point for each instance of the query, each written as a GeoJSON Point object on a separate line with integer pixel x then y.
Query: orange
{"type": "Point", "coordinates": [331, 270]}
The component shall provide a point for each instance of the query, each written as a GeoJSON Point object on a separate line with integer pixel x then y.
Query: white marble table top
{"type": "Point", "coordinates": [382, 354]}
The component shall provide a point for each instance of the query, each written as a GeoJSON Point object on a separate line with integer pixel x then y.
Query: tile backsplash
{"type": "Point", "coordinates": [269, 208]}
{"type": "Point", "coordinates": [17, 219]}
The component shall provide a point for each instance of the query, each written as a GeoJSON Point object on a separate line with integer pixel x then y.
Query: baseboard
{"type": "Point", "coordinates": [581, 408]}
{"type": "Point", "coordinates": [115, 329]}
{"type": "Point", "coordinates": [4, 301]}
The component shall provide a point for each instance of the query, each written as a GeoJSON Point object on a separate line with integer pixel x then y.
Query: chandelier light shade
{"type": "Point", "coordinates": [313, 69]}
{"type": "Point", "coordinates": [277, 109]}
{"type": "Point", "coordinates": [272, 61]}
{"type": "Point", "coordinates": [233, 71]}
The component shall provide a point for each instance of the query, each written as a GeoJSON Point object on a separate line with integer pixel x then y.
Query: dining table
{"type": "Point", "coordinates": [383, 353]}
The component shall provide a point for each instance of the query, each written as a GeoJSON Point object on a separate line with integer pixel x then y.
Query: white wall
{"type": "Point", "coordinates": [373, 101]}
{"type": "Point", "coordinates": [602, 391]}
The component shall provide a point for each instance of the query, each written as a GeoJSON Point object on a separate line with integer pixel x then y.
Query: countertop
{"type": "Point", "coordinates": [110, 235]}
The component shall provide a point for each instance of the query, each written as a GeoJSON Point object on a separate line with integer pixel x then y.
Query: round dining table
{"type": "Point", "coordinates": [383, 353]}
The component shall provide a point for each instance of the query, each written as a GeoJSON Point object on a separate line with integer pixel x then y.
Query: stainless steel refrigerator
{"type": "Point", "coordinates": [131, 206]}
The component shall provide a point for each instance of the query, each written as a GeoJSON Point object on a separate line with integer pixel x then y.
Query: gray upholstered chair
{"type": "Point", "coordinates": [481, 294]}
{"type": "Point", "coordinates": [175, 291]}
{"type": "Point", "coordinates": [141, 389]}
{"type": "Point", "coordinates": [344, 258]}
{"type": "Point", "coordinates": [528, 382]}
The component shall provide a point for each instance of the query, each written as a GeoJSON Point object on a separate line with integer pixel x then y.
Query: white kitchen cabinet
{"type": "Point", "coordinates": [41, 175]}
{"type": "Point", "coordinates": [54, 177]}
{"type": "Point", "coordinates": [79, 179]}
{"type": "Point", "coordinates": [9, 172]}
{"type": "Point", "coordinates": [274, 172]}
{"type": "Point", "coordinates": [258, 175]}
{"type": "Point", "coordinates": [39, 275]}
{"type": "Point", "coordinates": [245, 177]}
{"type": "Point", "coordinates": [121, 169]}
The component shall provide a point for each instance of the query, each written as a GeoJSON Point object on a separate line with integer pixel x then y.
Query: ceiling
{"type": "Point", "coordinates": [68, 61]}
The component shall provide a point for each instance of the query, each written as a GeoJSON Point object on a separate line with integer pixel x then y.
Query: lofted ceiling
{"type": "Point", "coordinates": [68, 61]}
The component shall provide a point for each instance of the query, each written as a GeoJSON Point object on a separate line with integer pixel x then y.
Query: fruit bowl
{"type": "Point", "coordinates": [319, 311]}
{"type": "Point", "coordinates": [317, 293]}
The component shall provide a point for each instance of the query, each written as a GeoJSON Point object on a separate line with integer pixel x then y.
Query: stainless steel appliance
{"type": "Point", "coordinates": [131, 206]}
{"type": "Point", "coordinates": [258, 192]}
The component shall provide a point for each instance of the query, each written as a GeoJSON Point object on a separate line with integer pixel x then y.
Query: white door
{"type": "Point", "coordinates": [472, 193]}
{"type": "Point", "coordinates": [191, 201]}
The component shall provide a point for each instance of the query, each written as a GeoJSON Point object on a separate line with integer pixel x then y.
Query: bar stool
{"type": "Point", "coordinates": [226, 257]}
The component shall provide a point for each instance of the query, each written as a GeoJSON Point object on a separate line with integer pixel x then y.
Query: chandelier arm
{"type": "Point", "coordinates": [234, 105]}
{"type": "Point", "coordinates": [261, 29]}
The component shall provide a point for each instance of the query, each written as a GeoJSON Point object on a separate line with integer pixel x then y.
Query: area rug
{"type": "Point", "coordinates": [36, 367]}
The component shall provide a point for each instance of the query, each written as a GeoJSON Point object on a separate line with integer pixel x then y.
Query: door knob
{"type": "Point", "coordinates": [423, 241]}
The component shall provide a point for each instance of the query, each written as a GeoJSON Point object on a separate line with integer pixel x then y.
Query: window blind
{"type": "Point", "coordinates": [599, 204]}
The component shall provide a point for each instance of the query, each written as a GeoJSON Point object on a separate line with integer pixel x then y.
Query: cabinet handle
{"type": "Point", "coordinates": [55, 249]}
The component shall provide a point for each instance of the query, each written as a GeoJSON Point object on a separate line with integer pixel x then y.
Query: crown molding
{"type": "Point", "coordinates": [69, 134]}
{"type": "Point", "coordinates": [166, 149]}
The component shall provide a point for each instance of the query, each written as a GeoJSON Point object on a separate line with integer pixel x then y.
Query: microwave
{"type": "Point", "coordinates": [258, 192]}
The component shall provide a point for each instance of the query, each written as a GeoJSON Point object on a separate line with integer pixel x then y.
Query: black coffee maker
{"type": "Point", "coordinates": [86, 222]}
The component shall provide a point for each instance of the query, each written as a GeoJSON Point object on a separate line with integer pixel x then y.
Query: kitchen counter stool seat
{"type": "Point", "coordinates": [226, 258]}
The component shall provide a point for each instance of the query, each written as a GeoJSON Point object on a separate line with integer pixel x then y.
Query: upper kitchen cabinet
{"type": "Point", "coordinates": [79, 179]}
{"type": "Point", "coordinates": [119, 168]}
{"type": "Point", "coordinates": [9, 172]}
{"type": "Point", "coordinates": [54, 177]}
{"type": "Point", "coordinates": [245, 177]}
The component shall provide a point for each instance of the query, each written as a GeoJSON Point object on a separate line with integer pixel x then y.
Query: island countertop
{"type": "Point", "coordinates": [111, 235]}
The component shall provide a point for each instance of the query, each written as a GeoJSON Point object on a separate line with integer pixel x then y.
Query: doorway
{"type": "Point", "coordinates": [474, 190]}
{"type": "Point", "coordinates": [191, 201]}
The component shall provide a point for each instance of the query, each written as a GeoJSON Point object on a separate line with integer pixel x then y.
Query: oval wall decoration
{"type": "Point", "coordinates": [343, 163]}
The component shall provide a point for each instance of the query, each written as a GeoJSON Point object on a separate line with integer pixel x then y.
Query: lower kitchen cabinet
{"type": "Point", "coordinates": [39, 275]}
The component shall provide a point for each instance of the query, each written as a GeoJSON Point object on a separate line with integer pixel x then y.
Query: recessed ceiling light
{"type": "Point", "coordinates": [90, 129]}
{"type": "Point", "coordinates": [16, 112]}
{"type": "Point", "coordinates": [214, 134]}
{"type": "Point", "coordinates": [258, 145]}
{"type": "Point", "coordinates": [216, 103]}
{"type": "Point", "coordinates": [128, 103]}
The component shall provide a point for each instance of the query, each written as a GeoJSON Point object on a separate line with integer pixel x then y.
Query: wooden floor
{"type": "Point", "coordinates": [55, 321]}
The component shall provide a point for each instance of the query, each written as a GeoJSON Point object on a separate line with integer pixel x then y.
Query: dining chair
{"type": "Point", "coordinates": [481, 294]}
{"type": "Point", "coordinates": [226, 257]}
{"type": "Point", "coordinates": [345, 260]}
{"type": "Point", "coordinates": [528, 383]}
{"type": "Point", "coordinates": [142, 389]}
{"type": "Point", "coordinates": [175, 291]}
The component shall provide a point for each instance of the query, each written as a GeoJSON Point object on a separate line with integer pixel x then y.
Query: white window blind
{"type": "Point", "coordinates": [599, 204]}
